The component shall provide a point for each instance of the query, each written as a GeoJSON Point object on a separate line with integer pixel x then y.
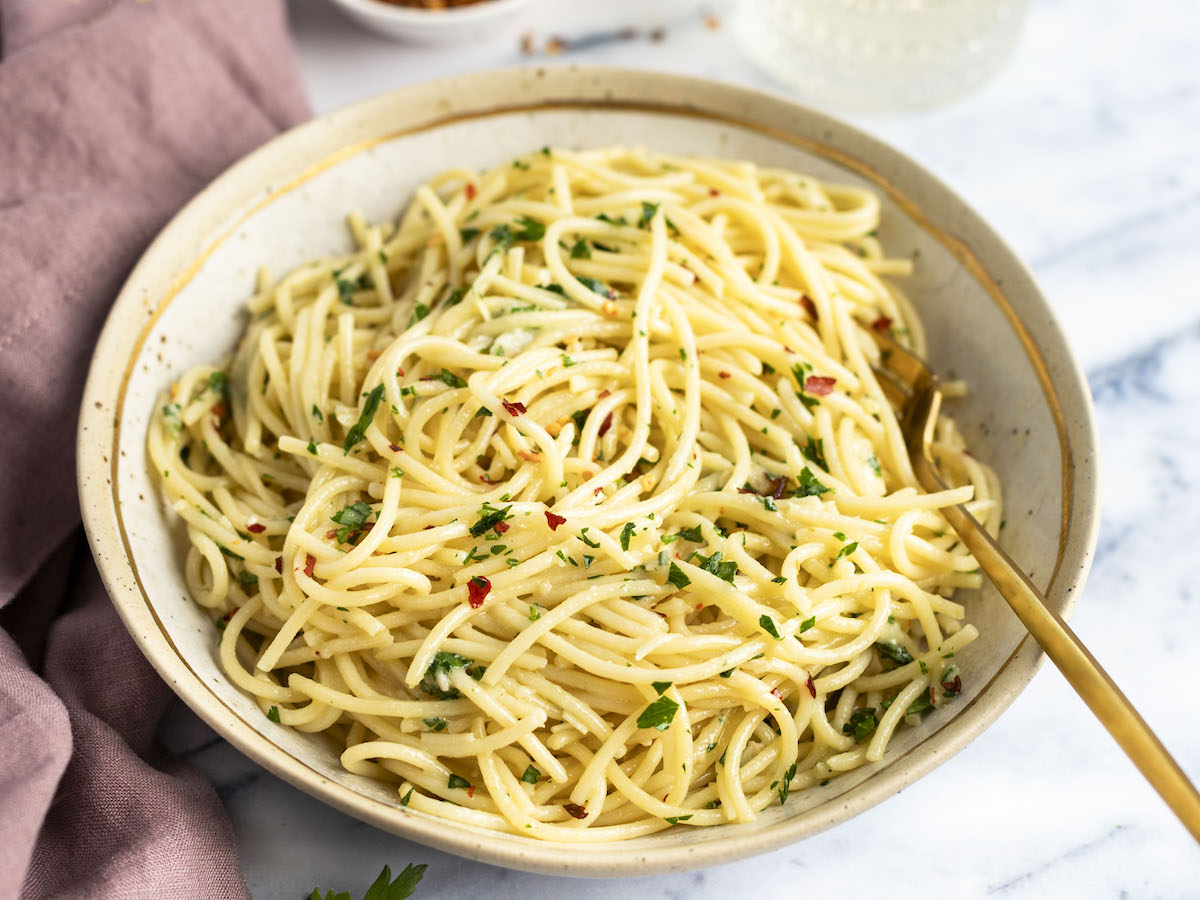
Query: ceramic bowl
{"type": "Point", "coordinates": [436, 26]}
{"type": "Point", "coordinates": [1028, 412]}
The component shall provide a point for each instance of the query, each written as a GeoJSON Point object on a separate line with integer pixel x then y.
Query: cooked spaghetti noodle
{"type": "Point", "coordinates": [570, 504]}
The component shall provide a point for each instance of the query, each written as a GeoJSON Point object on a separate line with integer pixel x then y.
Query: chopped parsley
{"type": "Point", "coordinates": [489, 518]}
{"type": "Point", "coordinates": [893, 651]}
{"type": "Point", "coordinates": [457, 782]}
{"type": "Point", "coordinates": [807, 624]}
{"type": "Point", "coordinates": [675, 820]}
{"type": "Point", "coordinates": [713, 565]}
{"type": "Point", "coordinates": [356, 432]}
{"type": "Point", "coordinates": [626, 534]}
{"type": "Point", "coordinates": [659, 714]}
{"type": "Point", "coordinates": [768, 625]}
{"type": "Point", "coordinates": [581, 250]}
{"type": "Point", "coordinates": [862, 723]}
{"type": "Point", "coordinates": [436, 724]}
{"type": "Point", "coordinates": [786, 783]}
{"type": "Point", "coordinates": [436, 682]}
{"type": "Point", "coordinates": [688, 534]}
{"type": "Point", "coordinates": [809, 485]}
{"type": "Point", "coordinates": [598, 287]}
{"type": "Point", "coordinates": [449, 378]}
{"type": "Point", "coordinates": [848, 549]}
{"type": "Point", "coordinates": [531, 775]}
{"type": "Point", "coordinates": [660, 686]}
{"type": "Point", "coordinates": [649, 210]}
{"type": "Point", "coordinates": [351, 519]}
{"type": "Point", "coordinates": [677, 577]}
{"type": "Point", "coordinates": [273, 713]}
{"type": "Point", "coordinates": [312, 446]}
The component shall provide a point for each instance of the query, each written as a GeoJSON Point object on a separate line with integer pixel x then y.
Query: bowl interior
{"type": "Point", "coordinates": [287, 204]}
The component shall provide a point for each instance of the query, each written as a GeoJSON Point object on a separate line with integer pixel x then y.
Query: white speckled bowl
{"type": "Point", "coordinates": [1028, 413]}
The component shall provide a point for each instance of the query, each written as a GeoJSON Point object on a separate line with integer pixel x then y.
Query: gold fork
{"type": "Point", "coordinates": [913, 389]}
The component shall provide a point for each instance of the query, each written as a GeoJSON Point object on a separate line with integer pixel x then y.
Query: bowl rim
{"type": "Point", "coordinates": [322, 143]}
{"type": "Point", "coordinates": [452, 16]}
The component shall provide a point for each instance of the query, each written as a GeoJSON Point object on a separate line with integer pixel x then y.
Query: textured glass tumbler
{"type": "Point", "coordinates": [880, 55]}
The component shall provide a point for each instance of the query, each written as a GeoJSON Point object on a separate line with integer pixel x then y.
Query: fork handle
{"type": "Point", "coordinates": [1092, 683]}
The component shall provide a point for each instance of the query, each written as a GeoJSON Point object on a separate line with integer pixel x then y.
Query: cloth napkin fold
{"type": "Point", "coordinates": [115, 112]}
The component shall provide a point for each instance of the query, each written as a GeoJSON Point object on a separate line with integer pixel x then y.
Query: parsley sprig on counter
{"type": "Point", "coordinates": [384, 888]}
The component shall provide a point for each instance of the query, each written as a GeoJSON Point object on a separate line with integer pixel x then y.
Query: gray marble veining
{"type": "Point", "coordinates": [1083, 154]}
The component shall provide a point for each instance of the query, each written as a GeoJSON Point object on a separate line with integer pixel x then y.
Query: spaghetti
{"type": "Point", "coordinates": [570, 504]}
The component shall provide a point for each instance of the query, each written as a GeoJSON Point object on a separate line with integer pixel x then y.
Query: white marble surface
{"type": "Point", "coordinates": [1083, 154]}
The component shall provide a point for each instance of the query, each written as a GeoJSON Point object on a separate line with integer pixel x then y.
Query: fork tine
{"type": "Point", "coordinates": [906, 367]}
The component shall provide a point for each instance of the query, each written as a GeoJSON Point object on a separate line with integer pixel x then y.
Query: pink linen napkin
{"type": "Point", "coordinates": [113, 113]}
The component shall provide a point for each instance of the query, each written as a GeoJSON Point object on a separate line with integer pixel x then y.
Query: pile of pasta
{"type": "Point", "coordinates": [569, 503]}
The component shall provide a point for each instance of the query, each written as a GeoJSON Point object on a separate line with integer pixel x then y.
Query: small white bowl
{"type": "Point", "coordinates": [435, 26]}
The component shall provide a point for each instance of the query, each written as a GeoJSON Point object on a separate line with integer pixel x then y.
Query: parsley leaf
{"type": "Point", "coordinates": [435, 724]}
{"type": "Point", "coordinates": [893, 651]}
{"type": "Point", "coordinates": [351, 519]}
{"type": "Point", "coordinates": [273, 713]}
{"type": "Point", "coordinates": [677, 577]}
{"type": "Point", "coordinates": [356, 432]}
{"type": "Point", "coordinates": [531, 775]}
{"type": "Point", "coordinates": [457, 782]}
{"type": "Point", "coordinates": [862, 723]}
{"type": "Point", "coordinates": [768, 625]}
{"type": "Point", "coordinates": [581, 250]}
{"type": "Point", "coordinates": [675, 820]}
{"type": "Point", "coordinates": [598, 287]}
{"type": "Point", "coordinates": [786, 783]}
{"type": "Point", "coordinates": [626, 534]}
{"type": "Point", "coordinates": [660, 686]}
{"type": "Point", "coordinates": [649, 210]}
{"type": "Point", "coordinates": [449, 378]}
{"type": "Point", "coordinates": [435, 682]}
{"type": "Point", "coordinates": [807, 624]}
{"type": "Point", "coordinates": [490, 517]}
{"type": "Point", "coordinates": [400, 889]}
{"type": "Point", "coordinates": [659, 714]}
{"type": "Point", "coordinates": [848, 549]}
{"type": "Point", "coordinates": [809, 485]}
{"type": "Point", "coordinates": [713, 564]}
{"type": "Point", "coordinates": [531, 229]}
{"type": "Point", "coordinates": [688, 534]}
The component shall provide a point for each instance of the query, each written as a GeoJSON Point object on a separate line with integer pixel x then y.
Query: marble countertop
{"type": "Point", "coordinates": [1082, 154]}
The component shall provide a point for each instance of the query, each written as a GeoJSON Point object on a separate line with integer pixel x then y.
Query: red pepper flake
{"type": "Point", "coordinates": [501, 527]}
{"type": "Point", "coordinates": [598, 491]}
{"type": "Point", "coordinates": [713, 192]}
{"type": "Point", "coordinates": [604, 393]}
{"type": "Point", "coordinates": [779, 487]}
{"type": "Point", "coordinates": [604, 426]}
{"type": "Point", "coordinates": [819, 385]}
{"type": "Point", "coordinates": [477, 590]}
{"type": "Point", "coordinates": [513, 409]}
{"type": "Point", "coordinates": [221, 409]}
{"type": "Point", "coordinates": [724, 374]}
{"type": "Point", "coordinates": [809, 306]}
{"type": "Point", "coordinates": [308, 565]}
{"type": "Point", "coordinates": [471, 791]}
{"type": "Point", "coordinates": [279, 564]}
{"type": "Point", "coordinates": [554, 521]}
{"type": "Point", "coordinates": [470, 190]}
{"type": "Point", "coordinates": [955, 685]}
{"type": "Point", "coordinates": [788, 349]}
{"type": "Point", "coordinates": [395, 448]}
{"type": "Point", "coordinates": [487, 480]}
{"type": "Point", "coordinates": [882, 324]}
{"type": "Point", "coordinates": [330, 535]}
{"type": "Point", "coordinates": [776, 693]}
{"type": "Point", "coordinates": [575, 810]}
{"type": "Point", "coordinates": [746, 490]}
{"type": "Point", "coordinates": [812, 688]}
{"type": "Point", "coordinates": [229, 615]}
{"type": "Point", "coordinates": [400, 373]}
{"type": "Point", "coordinates": [256, 528]}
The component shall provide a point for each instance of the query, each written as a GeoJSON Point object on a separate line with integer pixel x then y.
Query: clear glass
{"type": "Point", "coordinates": [881, 55]}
